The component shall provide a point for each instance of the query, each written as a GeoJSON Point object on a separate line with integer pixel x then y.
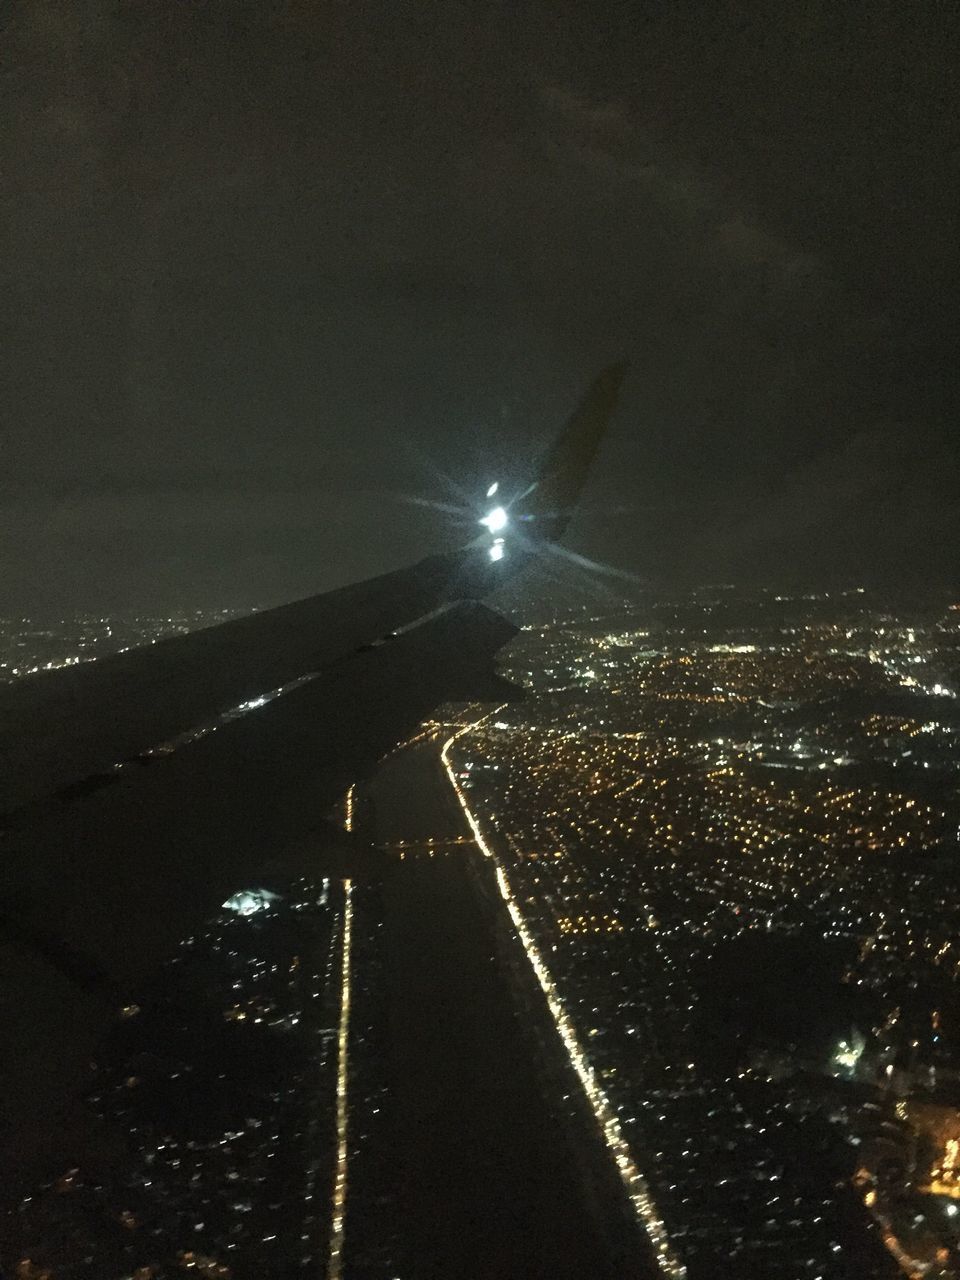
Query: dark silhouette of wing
{"type": "Point", "coordinates": [138, 792]}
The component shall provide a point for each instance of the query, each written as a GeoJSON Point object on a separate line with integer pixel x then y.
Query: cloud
{"type": "Point", "coordinates": [883, 502]}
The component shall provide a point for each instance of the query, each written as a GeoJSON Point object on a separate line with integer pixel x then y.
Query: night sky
{"type": "Point", "coordinates": [270, 269]}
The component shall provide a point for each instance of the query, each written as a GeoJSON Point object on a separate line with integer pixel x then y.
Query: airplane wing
{"type": "Point", "coordinates": [563, 471]}
{"type": "Point", "coordinates": [138, 792]}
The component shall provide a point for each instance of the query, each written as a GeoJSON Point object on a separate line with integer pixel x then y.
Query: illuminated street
{"type": "Point", "coordinates": [490, 1184]}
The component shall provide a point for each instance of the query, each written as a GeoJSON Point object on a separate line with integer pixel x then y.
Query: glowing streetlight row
{"type": "Point", "coordinates": [606, 1117]}
{"type": "Point", "coordinates": [338, 1214]}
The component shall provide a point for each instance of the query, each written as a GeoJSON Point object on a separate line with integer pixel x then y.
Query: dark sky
{"type": "Point", "coordinates": [269, 267]}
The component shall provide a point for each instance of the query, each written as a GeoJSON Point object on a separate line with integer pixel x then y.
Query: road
{"type": "Point", "coordinates": [489, 1185]}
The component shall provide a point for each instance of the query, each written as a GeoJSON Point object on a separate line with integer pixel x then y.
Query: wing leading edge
{"type": "Point", "coordinates": [98, 887]}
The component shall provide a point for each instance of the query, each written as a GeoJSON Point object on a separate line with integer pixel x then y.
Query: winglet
{"type": "Point", "coordinates": [550, 502]}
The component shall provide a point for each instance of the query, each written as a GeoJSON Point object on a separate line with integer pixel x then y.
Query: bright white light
{"type": "Point", "coordinates": [952, 1210]}
{"type": "Point", "coordinates": [249, 901]}
{"type": "Point", "coordinates": [846, 1056]}
{"type": "Point", "coordinates": [496, 551]}
{"type": "Point", "coordinates": [496, 520]}
{"type": "Point", "coordinates": [493, 488]}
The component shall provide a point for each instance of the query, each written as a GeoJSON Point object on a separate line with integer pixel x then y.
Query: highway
{"type": "Point", "coordinates": [490, 1184]}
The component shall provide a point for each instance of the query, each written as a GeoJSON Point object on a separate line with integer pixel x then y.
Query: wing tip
{"type": "Point", "coordinates": [565, 469]}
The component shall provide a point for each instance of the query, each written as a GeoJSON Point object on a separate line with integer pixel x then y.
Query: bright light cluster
{"type": "Point", "coordinates": [249, 901]}
{"type": "Point", "coordinates": [495, 521]}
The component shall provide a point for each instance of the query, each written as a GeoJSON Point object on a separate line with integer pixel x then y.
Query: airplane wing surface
{"type": "Point", "coordinates": [100, 881]}
{"type": "Point", "coordinates": [60, 727]}
{"type": "Point", "coordinates": [138, 792]}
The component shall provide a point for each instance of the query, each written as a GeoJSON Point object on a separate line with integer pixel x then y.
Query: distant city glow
{"type": "Point", "coordinates": [495, 520]}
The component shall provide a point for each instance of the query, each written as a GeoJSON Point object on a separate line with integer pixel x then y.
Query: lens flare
{"type": "Point", "coordinates": [495, 520]}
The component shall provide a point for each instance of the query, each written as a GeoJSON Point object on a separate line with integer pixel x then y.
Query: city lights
{"type": "Point", "coordinates": [721, 835]}
{"type": "Point", "coordinates": [606, 1117]}
{"type": "Point", "coordinates": [700, 788]}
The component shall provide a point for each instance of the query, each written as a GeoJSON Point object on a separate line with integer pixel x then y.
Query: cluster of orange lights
{"type": "Point", "coordinates": [589, 924]}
